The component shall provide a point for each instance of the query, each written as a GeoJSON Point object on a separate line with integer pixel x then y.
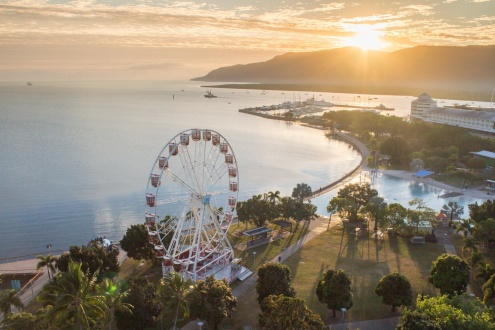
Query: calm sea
{"type": "Point", "coordinates": [75, 157]}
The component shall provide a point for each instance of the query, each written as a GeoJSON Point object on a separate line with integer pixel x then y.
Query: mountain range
{"type": "Point", "coordinates": [452, 69]}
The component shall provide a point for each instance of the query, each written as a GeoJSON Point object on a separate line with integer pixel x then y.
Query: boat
{"type": "Point", "coordinates": [29, 83]}
{"type": "Point", "coordinates": [382, 107]}
{"type": "Point", "coordinates": [209, 95]}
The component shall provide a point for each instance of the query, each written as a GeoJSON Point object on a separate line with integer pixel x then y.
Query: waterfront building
{"type": "Point", "coordinates": [479, 119]}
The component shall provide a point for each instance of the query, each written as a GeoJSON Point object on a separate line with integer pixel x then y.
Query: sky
{"type": "Point", "coordinates": [178, 40]}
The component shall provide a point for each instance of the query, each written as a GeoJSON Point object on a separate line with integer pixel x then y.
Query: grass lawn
{"type": "Point", "coordinates": [364, 260]}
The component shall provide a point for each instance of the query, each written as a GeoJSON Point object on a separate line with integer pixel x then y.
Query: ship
{"type": "Point", "coordinates": [209, 95]}
{"type": "Point", "coordinates": [382, 107]}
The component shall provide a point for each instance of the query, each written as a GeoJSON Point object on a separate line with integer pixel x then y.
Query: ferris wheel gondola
{"type": "Point", "coordinates": [191, 202]}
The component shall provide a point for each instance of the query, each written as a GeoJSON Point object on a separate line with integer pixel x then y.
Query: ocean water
{"type": "Point", "coordinates": [75, 157]}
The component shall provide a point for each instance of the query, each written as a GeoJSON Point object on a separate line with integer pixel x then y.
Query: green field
{"type": "Point", "coordinates": [365, 259]}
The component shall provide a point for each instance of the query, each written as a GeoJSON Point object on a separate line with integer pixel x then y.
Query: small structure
{"type": "Point", "coordinates": [441, 216]}
{"type": "Point", "coordinates": [487, 156]}
{"type": "Point", "coordinates": [423, 173]}
{"type": "Point", "coordinates": [261, 232]}
{"type": "Point", "coordinates": [418, 240]}
{"type": "Point", "coordinates": [283, 224]}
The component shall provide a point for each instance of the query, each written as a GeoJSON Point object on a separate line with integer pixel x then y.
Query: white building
{"type": "Point", "coordinates": [421, 106]}
{"type": "Point", "coordinates": [425, 108]}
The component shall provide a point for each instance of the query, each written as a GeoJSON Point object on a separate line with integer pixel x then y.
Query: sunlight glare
{"type": "Point", "coordinates": [366, 37]}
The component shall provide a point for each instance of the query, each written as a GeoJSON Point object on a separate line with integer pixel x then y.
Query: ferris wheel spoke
{"type": "Point", "coordinates": [190, 169]}
{"type": "Point", "coordinates": [175, 178]}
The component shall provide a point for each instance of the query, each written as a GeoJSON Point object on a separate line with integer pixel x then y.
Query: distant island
{"type": "Point", "coordinates": [445, 71]}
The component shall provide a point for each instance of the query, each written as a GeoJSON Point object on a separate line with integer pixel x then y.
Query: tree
{"type": "Point", "coordinates": [475, 163]}
{"type": "Point", "coordinates": [19, 321]}
{"type": "Point", "coordinates": [475, 259]}
{"type": "Point", "coordinates": [421, 213]}
{"type": "Point", "coordinates": [212, 300]}
{"type": "Point", "coordinates": [376, 209]}
{"type": "Point", "coordinates": [142, 294]}
{"type": "Point", "coordinates": [470, 244]}
{"type": "Point", "coordinates": [484, 271]}
{"type": "Point", "coordinates": [397, 148]}
{"type": "Point", "coordinates": [256, 210]}
{"type": "Point", "coordinates": [273, 197]}
{"type": "Point", "coordinates": [173, 292]}
{"type": "Point", "coordinates": [453, 208]}
{"type": "Point", "coordinates": [395, 290]}
{"type": "Point", "coordinates": [489, 290]}
{"type": "Point", "coordinates": [274, 279]}
{"type": "Point", "coordinates": [287, 313]}
{"type": "Point", "coordinates": [334, 290]}
{"type": "Point", "coordinates": [450, 274]}
{"type": "Point", "coordinates": [74, 299]}
{"type": "Point", "coordinates": [9, 298]}
{"type": "Point", "coordinates": [394, 216]}
{"type": "Point", "coordinates": [416, 164]}
{"type": "Point", "coordinates": [350, 199]}
{"type": "Point", "coordinates": [136, 243]}
{"type": "Point", "coordinates": [460, 312]}
{"type": "Point", "coordinates": [482, 212]}
{"type": "Point", "coordinates": [49, 262]}
{"type": "Point", "coordinates": [414, 320]}
{"type": "Point", "coordinates": [92, 258]}
{"type": "Point", "coordinates": [485, 231]}
{"type": "Point", "coordinates": [466, 226]}
{"type": "Point", "coordinates": [114, 294]}
{"type": "Point", "coordinates": [301, 191]}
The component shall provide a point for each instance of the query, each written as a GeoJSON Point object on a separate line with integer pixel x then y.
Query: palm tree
{"type": "Point", "coordinates": [470, 244]}
{"type": "Point", "coordinates": [465, 226]}
{"type": "Point", "coordinates": [484, 271]}
{"type": "Point", "coordinates": [475, 259]}
{"type": "Point", "coordinates": [74, 299]}
{"type": "Point", "coordinates": [173, 292]}
{"type": "Point", "coordinates": [114, 296]}
{"type": "Point", "coordinates": [274, 196]}
{"type": "Point", "coordinates": [9, 298]}
{"type": "Point", "coordinates": [453, 208]}
{"type": "Point", "coordinates": [49, 262]}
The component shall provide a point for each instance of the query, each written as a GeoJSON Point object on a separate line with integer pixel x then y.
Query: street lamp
{"type": "Point", "coordinates": [343, 313]}
{"type": "Point", "coordinates": [49, 247]}
{"type": "Point", "coordinates": [254, 259]}
{"type": "Point", "coordinates": [200, 325]}
{"type": "Point", "coordinates": [444, 238]}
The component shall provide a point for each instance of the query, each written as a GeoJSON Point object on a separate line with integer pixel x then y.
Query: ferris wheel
{"type": "Point", "coordinates": [190, 203]}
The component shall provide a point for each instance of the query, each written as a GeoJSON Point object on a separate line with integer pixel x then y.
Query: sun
{"type": "Point", "coordinates": [365, 37]}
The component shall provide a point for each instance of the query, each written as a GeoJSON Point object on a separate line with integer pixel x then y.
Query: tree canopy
{"type": "Point", "coordinates": [287, 313]}
{"type": "Point", "coordinates": [301, 191]}
{"type": "Point", "coordinates": [334, 289]}
{"type": "Point", "coordinates": [136, 243]}
{"type": "Point", "coordinates": [395, 290]}
{"type": "Point", "coordinates": [274, 279]}
{"type": "Point", "coordinates": [450, 274]}
{"type": "Point", "coordinates": [256, 210]}
{"type": "Point", "coordinates": [92, 258]}
{"type": "Point", "coordinates": [350, 199]}
{"type": "Point", "coordinates": [459, 312]}
{"type": "Point", "coordinates": [212, 300]}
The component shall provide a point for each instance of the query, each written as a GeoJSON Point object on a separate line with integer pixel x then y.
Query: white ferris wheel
{"type": "Point", "coordinates": [190, 203]}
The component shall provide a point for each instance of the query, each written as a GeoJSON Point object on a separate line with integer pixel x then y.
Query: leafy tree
{"type": "Point", "coordinates": [274, 279]}
{"type": "Point", "coordinates": [114, 294]}
{"type": "Point", "coordinates": [395, 290]}
{"type": "Point", "coordinates": [376, 209]}
{"type": "Point", "coordinates": [350, 199]}
{"type": "Point", "coordinates": [485, 231]}
{"type": "Point", "coordinates": [142, 295]}
{"type": "Point", "coordinates": [212, 300]}
{"type": "Point", "coordinates": [92, 258]}
{"type": "Point", "coordinates": [397, 148]}
{"type": "Point", "coordinates": [287, 313]}
{"type": "Point", "coordinates": [256, 210]}
{"type": "Point", "coordinates": [475, 259]}
{"type": "Point", "coordinates": [453, 208]}
{"type": "Point", "coordinates": [74, 299]}
{"type": "Point", "coordinates": [301, 191]}
{"type": "Point", "coordinates": [19, 321]}
{"type": "Point", "coordinates": [414, 320]}
{"type": "Point", "coordinates": [394, 216]}
{"type": "Point", "coordinates": [173, 292]}
{"type": "Point", "coordinates": [482, 212]}
{"type": "Point", "coordinates": [49, 262]}
{"type": "Point", "coordinates": [475, 163]}
{"type": "Point", "coordinates": [421, 213]}
{"type": "Point", "coordinates": [334, 290]}
{"type": "Point", "coordinates": [489, 290]}
{"type": "Point", "coordinates": [460, 312]}
{"type": "Point", "coordinates": [450, 274]}
{"type": "Point", "coordinates": [417, 164]}
{"type": "Point", "coordinates": [9, 298]}
{"type": "Point", "coordinates": [136, 243]}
